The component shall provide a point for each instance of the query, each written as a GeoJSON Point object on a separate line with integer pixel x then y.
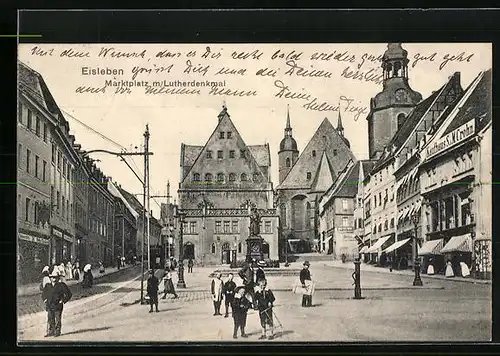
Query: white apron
{"type": "Point", "coordinates": [449, 271]}
{"type": "Point", "coordinates": [465, 269]}
{"type": "Point", "coordinates": [430, 270]}
{"type": "Point", "coordinates": [309, 289]}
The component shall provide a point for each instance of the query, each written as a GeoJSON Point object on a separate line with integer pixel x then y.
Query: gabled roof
{"type": "Point", "coordinates": [324, 178]}
{"type": "Point", "coordinates": [136, 205]}
{"type": "Point", "coordinates": [261, 154]}
{"type": "Point", "coordinates": [326, 139]}
{"type": "Point", "coordinates": [477, 106]}
{"type": "Point", "coordinates": [414, 118]}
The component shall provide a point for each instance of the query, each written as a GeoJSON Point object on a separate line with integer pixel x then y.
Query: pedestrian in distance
{"type": "Point", "coordinates": [190, 265]}
{"type": "Point", "coordinates": [464, 269]}
{"type": "Point", "coordinates": [45, 278]}
{"type": "Point", "coordinates": [229, 292]}
{"type": "Point", "coordinates": [118, 262]}
{"type": "Point", "coordinates": [168, 285]}
{"type": "Point", "coordinates": [306, 282]}
{"type": "Point", "coordinates": [69, 271]}
{"type": "Point", "coordinates": [62, 271]}
{"type": "Point", "coordinates": [430, 267]}
{"type": "Point", "coordinates": [55, 295]}
{"type": "Point", "coordinates": [88, 277]}
{"type": "Point", "coordinates": [216, 290]}
{"type": "Point", "coordinates": [240, 306]}
{"type": "Point", "coordinates": [265, 298]}
{"type": "Point", "coordinates": [152, 289]}
{"type": "Point", "coordinates": [76, 272]}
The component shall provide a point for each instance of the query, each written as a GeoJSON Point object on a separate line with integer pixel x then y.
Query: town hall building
{"type": "Point", "coordinates": [220, 182]}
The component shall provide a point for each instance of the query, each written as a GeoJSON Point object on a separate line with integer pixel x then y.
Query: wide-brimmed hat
{"type": "Point", "coordinates": [87, 268]}
{"type": "Point", "coordinates": [46, 269]}
{"type": "Point", "coordinates": [306, 263]}
{"type": "Point", "coordinates": [261, 264]}
{"type": "Point", "coordinates": [55, 274]}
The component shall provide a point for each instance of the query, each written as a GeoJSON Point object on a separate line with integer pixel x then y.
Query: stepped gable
{"type": "Point", "coordinates": [477, 106]}
{"type": "Point", "coordinates": [414, 118]}
{"type": "Point", "coordinates": [326, 139]}
{"type": "Point", "coordinates": [248, 164]}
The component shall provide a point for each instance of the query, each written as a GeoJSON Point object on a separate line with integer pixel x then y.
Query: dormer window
{"type": "Point", "coordinates": [196, 177]}
{"type": "Point", "coordinates": [219, 154]}
{"type": "Point", "coordinates": [243, 177]}
{"type": "Point", "coordinates": [335, 152]}
{"type": "Point", "coordinates": [314, 153]}
{"type": "Point", "coordinates": [242, 154]}
{"type": "Point", "coordinates": [208, 177]}
{"type": "Point", "coordinates": [308, 175]}
{"type": "Point", "coordinates": [209, 154]}
{"type": "Point", "coordinates": [232, 177]}
{"type": "Point", "coordinates": [229, 134]}
{"type": "Point", "coordinates": [220, 177]}
{"type": "Point", "coordinates": [221, 134]}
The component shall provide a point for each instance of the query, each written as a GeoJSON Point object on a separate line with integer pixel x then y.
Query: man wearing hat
{"type": "Point", "coordinates": [55, 295]}
{"type": "Point", "coordinates": [240, 306]}
{"type": "Point", "coordinates": [152, 290]}
{"type": "Point", "coordinates": [305, 280]}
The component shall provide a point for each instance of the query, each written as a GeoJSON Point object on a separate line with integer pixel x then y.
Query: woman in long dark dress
{"type": "Point", "coordinates": [168, 286]}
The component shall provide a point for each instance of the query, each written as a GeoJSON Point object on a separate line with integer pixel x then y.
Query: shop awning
{"type": "Point", "coordinates": [364, 249]}
{"type": "Point", "coordinates": [378, 245]}
{"type": "Point", "coordinates": [462, 243]}
{"type": "Point", "coordinates": [432, 247]}
{"type": "Point", "coordinates": [396, 245]}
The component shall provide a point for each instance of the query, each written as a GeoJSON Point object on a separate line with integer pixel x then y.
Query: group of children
{"type": "Point", "coordinates": [263, 300]}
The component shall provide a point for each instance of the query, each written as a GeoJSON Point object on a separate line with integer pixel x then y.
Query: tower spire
{"type": "Point", "coordinates": [288, 127]}
{"type": "Point", "coordinates": [340, 128]}
{"type": "Point", "coordinates": [168, 192]}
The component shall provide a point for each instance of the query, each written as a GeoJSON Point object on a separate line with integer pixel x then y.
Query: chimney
{"type": "Point", "coordinates": [457, 88]}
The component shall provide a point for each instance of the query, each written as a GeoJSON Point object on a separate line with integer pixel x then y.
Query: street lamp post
{"type": "Point", "coordinates": [286, 252]}
{"type": "Point", "coordinates": [180, 282]}
{"type": "Point", "coordinates": [416, 281]}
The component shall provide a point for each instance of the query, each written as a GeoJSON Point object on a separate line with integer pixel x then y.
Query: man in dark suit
{"type": "Point", "coordinates": [305, 275]}
{"type": "Point", "coordinates": [152, 289]}
{"type": "Point", "coordinates": [55, 295]}
{"type": "Point", "coordinates": [228, 290]}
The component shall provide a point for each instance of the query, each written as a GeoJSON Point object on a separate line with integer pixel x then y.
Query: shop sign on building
{"type": "Point", "coordinates": [454, 137]}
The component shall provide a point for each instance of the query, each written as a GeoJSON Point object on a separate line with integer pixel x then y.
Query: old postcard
{"type": "Point", "coordinates": [251, 192]}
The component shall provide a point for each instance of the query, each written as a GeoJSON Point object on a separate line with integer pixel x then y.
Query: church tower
{"type": "Point", "coordinates": [390, 107]}
{"type": "Point", "coordinates": [288, 153]}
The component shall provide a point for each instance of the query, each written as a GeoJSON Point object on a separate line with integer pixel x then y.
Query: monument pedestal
{"type": "Point", "coordinates": [254, 248]}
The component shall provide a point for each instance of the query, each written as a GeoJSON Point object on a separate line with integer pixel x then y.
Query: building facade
{"type": "Point", "coordinates": [455, 172]}
{"type": "Point", "coordinates": [305, 178]}
{"type": "Point", "coordinates": [33, 176]}
{"type": "Point", "coordinates": [219, 182]}
{"type": "Point", "coordinates": [81, 180]}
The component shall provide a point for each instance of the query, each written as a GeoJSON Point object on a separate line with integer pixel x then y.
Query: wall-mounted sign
{"type": "Point", "coordinates": [452, 138]}
{"type": "Point", "coordinates": [57, 233]}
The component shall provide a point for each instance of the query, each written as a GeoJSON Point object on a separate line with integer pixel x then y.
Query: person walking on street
{"type": "Point", "coordinates": [216, 290]}
{"type": "Point", "coordinates": [190, 266]}
{"type": "Point", "coordinates": [76, 272]}
{"type": "Point", "coordinates": [265, 299]}
{"type": "Point", "coordinates": [88, 278]}
{"type": "Point", "coordinates": [152, 290]}
{"type": "Point", "coordinates": [101, 267]}
{"type": "Point", "coordinates": [259, 272]}
{"type": "Point", "coordinates": [228, 291]}
{"type": "Point", "coordinates": [45, 278]}
{"type": "Point", "coordinates": [168, 285]}
{"type": "Point", "coordinates": [69, 270]}
{"type": "Point", "coordinates": [449, 270]}
{"type": "Point", "coordinates": [305, 280]}
{"type": "Point", "coordinates": [239, 307]}
{"type": "Point", "coordinates": [55, 295]}
{"type": "Point", "coordinates": [62, 272]}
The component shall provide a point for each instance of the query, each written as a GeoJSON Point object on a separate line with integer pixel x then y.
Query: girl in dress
{"type": "Point", "coordinates": [430, 268]}
{"type": "Point", "coordinates": [449, 270]}
{"type": "Point", "coordinates": [465, 269]}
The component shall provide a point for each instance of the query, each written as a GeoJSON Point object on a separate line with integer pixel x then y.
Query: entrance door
{"type": "Point", "coordinates": [265, 250]}
{"type": "Point", "coordinates": [226, 253]}
{"type": "Point", "coordinates": [189, 251]}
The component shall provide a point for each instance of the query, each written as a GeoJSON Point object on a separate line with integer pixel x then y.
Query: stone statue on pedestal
{"type": "Point", "coordinates": [254, 223]}
{"type": "Point", "coordinates": [254, 240]}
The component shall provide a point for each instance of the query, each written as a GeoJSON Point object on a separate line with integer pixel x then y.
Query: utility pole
{"type": "Point", "coordinates": [148, 198]}
{"type": "Point", "coordinates": [145, 214]}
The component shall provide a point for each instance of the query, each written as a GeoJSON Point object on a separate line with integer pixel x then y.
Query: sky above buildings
{"type": "Point", "coordinates": [314, 80]}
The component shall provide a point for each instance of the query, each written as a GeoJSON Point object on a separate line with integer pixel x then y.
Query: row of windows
{"type": "Point", "coordinates": [61, 162]}
{"type": "Point", "coordinates": [220, 154]}
{"type": "Point", "coordinates": [386, 226]}
{"type": "Point", "coordinates": [223, 134]}
{"type": "Point", "coordinates": [225, 227]}
{"type": "Point", "coordinates": [221, 177]}
{"type": "Point", "coordinates": [62, 205]}
{"type": "Point", "coordinates": [40, 166]}
{"type": "Point", "coordinates": [225, 247]}
{"type": "Point", "coordinates": [98, 227]}
{"type": "Point", "coordinates": [385, 199]}
{"type": "Point", "coordinates": [288, 162]}
{"type": "Point", "coordinates": [29, 122]}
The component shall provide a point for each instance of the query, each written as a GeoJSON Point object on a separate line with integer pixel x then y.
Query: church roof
{"type": "Point", "coordinates": [324, 177]}
{"type": "Point", "coordinates": [326, 139]}
{"type": "Point", "coordinates": [261, 154]}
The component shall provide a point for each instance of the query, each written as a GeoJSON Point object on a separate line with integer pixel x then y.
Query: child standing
{"type": "Point", "coordinates": [240, 306]}
{"type": "Point", "coordinates": [265, 299]}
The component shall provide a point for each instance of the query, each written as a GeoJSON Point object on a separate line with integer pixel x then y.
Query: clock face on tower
{"type": "Point", "coordinates": [401, 95]}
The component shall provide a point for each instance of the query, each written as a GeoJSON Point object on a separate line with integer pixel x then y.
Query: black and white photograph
{"type": "Point", "coordinates": [256, 192]}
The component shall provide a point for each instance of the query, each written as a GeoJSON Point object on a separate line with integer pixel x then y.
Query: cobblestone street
{"type": "Point", "coordinates": [441, 311]}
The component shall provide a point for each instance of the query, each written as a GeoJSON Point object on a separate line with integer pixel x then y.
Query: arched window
{"type": "Point", "coordinates": [220, 177]}
{"type": "Point", "coordinates": [386, 225]}
{"type": "Point", "coordinates": [397, 68]}
{"type": "Point", "coordinates": [239, 247]}
{"type": "Point", "coordinates": [380, 228]}
{"type": "Point", "coordinates": [314, 153]}
{"type": "Point", "coordinates": [232, 177]}
{"type": "Point", "coordinates": [243, 177]}
{"type": "Point", "coordinates": [288, 164]}
{"type": "Point", "coordinates": [208, 177]}
{"type": "Point", "coordinates": [196, 177]}
{"type": "Point", "coordinates": [401, 119]}
{"type": "Point", "coordinates": [392, 223]}
{"type": "Point", "coordinates": [283, 214]}
{"type": "Point", "coordinates": [374, 230]}
{"type": "Point", "coordinates": [213, 247]}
